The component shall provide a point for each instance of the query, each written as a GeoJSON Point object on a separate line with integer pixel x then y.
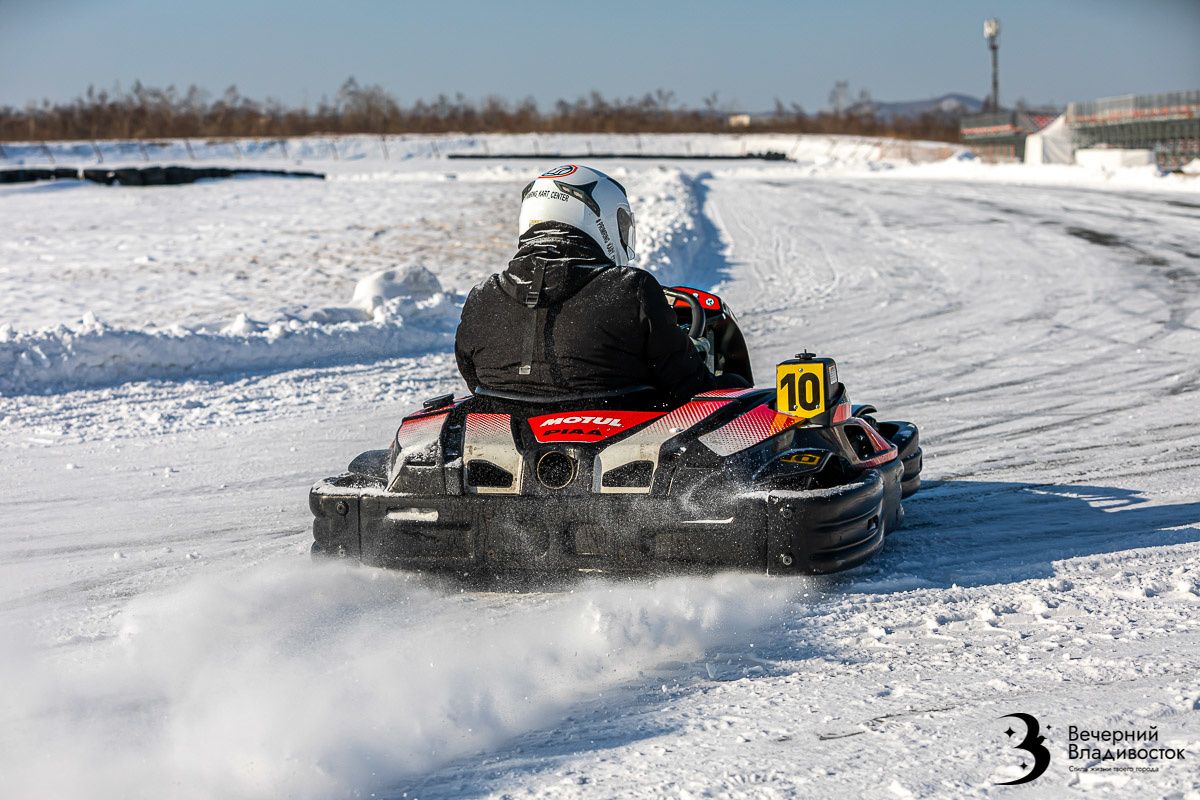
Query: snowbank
{"type": "Point", "coordinates": [402, 311]}
{"type": "Point", "coordinates": [674, 236]}
{"type": "Point", "coordinates": [1147, 177]}
{"type": "Point", "coordinates": [374, 292]}
{"type": "Point", "coordinates": [389, 156]}
{"type": "Point", "coordinates": [411, 316]}
{"type": "Point", "coordinates": [378, 150]}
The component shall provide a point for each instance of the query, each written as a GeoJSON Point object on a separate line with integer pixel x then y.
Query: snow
{"type": "Point", "coordinates": [218, 669]}
{"type": "Point", "coordinates": [164, 633]}
{"type": "Point", "coordinates": [412, 316]}
{"type": "Point", "coordinates": [1110, 158]}
{"type": "Point", "coordinates": [97, 354]}
{"type": "Point", "coordinates": [412, 283]}
{"type": "Point", "coordinates": [364, 154]}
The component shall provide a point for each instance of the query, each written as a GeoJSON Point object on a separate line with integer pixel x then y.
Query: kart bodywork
{"type": "Point", "coordinates": [780, 480]}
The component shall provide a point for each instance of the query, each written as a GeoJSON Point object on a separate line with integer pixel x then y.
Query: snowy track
{"type": "Point", "coordinates": [1045, 338]}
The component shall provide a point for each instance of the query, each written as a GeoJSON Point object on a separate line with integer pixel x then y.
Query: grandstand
{"type": "Point", "coordinates": [1166, 125]}
{"type": "Point", "coordinates": [1000, 135]}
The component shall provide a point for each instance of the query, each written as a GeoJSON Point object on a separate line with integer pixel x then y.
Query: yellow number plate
{"type": "Point", "coordinates": [800, 390]}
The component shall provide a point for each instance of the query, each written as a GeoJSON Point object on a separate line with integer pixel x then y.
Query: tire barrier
{"type": "Point", "coordinates": [30, 175]}
{"type": "Point", "coordinates": [144, 176]}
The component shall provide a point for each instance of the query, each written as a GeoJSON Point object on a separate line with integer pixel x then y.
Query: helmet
{"type": "Point", "coordinates": [586, 199]}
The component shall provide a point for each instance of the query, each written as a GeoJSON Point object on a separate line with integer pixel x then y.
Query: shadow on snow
{"type": "Point", "coordinates": [976, 533]}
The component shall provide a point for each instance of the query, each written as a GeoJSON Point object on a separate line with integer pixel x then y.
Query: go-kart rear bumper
{"type": "Point", "coordinates": [774, 531]}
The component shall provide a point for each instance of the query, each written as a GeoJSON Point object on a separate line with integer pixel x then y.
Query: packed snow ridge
{"type": "Point", "coordinates": [341, 151]}
{"type": "Point", "coordinates": [403, 311]}
{"type": "Point", "coordinates": [411, 315]}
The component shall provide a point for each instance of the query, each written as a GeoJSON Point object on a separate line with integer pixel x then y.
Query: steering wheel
{"type": "Point", "coordinates": [696, 329]}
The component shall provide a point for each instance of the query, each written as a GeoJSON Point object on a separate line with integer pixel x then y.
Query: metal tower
{"type": "Point", "coordinates": [991, 32]}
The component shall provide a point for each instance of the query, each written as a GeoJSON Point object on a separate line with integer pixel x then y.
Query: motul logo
{"type": "Point", "coordinates": [592, 425]}
{"type": "Point", "coordinates": [612, 422]}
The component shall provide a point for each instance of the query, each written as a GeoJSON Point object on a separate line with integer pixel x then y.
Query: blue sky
{"type": "Point", "coordinates": [748, 52]}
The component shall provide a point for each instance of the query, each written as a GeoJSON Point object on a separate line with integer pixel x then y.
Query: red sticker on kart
{"type": "Point", "coordinates": [708, 301]}
{"type": "Point", "coordinates": [587, 426]}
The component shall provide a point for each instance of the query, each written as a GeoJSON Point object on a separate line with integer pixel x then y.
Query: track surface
{"type": "Point", "coordinates": [1047, 341]}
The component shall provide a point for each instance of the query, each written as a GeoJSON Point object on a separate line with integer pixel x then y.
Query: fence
{"type": "Point", "coordinates": [1000, 135]}
{"type": "Point", "coordinates": [1167, 124]}
{"type": "Point", "coordinates": [1163, 106]}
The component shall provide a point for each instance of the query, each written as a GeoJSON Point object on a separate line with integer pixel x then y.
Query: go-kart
{"type": "Point", "coordinates": [786, 479]}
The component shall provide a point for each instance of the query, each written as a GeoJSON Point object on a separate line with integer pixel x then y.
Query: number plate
{"type": "Point", "coordinates": [800, 389]}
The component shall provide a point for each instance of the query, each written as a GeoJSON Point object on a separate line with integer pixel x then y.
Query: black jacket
{"type": "Point", "coordinates": [563, 319]}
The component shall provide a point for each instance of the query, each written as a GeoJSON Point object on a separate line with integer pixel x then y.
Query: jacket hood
{"type": "Point", "coordinates": [567, 258]}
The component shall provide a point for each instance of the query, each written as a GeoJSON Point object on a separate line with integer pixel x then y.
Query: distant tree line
{"type": "Point", "coordinates": [144, 112]}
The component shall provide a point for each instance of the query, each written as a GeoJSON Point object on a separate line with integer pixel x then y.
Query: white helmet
{"type": "Point", "coordinates": [586, 199]}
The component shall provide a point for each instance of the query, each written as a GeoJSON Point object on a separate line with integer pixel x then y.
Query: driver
{"type": "Point", "coordinates": [570, 315]}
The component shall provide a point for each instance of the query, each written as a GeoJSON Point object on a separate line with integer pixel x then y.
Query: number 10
{"type": "Point", "coordinates": [803, 391]}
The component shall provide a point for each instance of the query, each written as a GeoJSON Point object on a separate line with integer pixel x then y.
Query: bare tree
{"type": "Point", "coordinates": [148, 112]}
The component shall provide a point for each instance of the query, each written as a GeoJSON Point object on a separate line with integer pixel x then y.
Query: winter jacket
{"type": "Point", "coordinates": [563, 319]}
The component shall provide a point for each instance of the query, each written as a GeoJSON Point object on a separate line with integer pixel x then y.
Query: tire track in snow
{"type": "Point", "coordinates": [982, 326]}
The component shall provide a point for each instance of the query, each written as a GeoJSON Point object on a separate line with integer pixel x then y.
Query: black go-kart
{"type": "Point", "coordinates": [788, 479]}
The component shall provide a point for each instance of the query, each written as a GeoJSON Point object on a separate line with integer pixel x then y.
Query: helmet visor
{"type": "Point", "coordinates": [627, 231]}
